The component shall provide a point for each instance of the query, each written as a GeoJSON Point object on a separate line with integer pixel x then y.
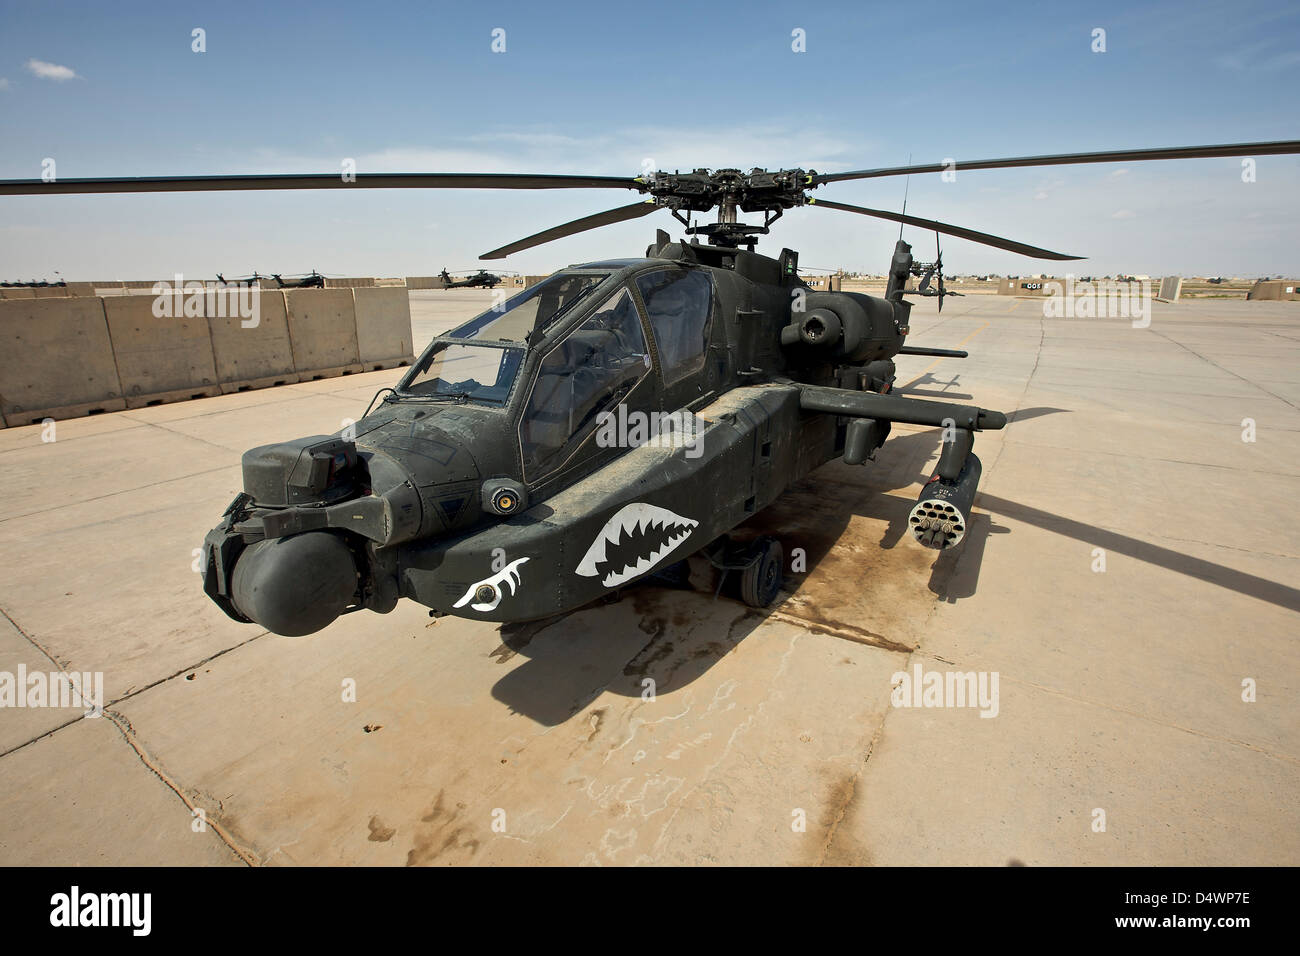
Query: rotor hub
{"type": "Point", "coordinates": [755, 191]}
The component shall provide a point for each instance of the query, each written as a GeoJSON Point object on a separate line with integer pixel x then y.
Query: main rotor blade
{"type": "Point", "coordinates": [948, 230]}
{"type": "Point", "coordinates": [1065, 159]}
{"type": "Point", "coordinates": [171, 184]}
{"type": "Point", "coordinates": [607, 218]}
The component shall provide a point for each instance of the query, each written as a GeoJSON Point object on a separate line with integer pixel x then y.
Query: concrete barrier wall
{"type": "Point", "coordinates": [1026, 286]}
{"type": "Point", "coordinates": [1275, 290]}
{"type": "Point", "coordinates": [56, 360]}
{"type": "Point", "coordinates": [266, 282]}
{"type": "Point", "coordinates": [424, 282]}
{"type": "Point", "coordinates": [824, 283]}
{"type": "Point", "coordinates": [383, 327]}
{"type": "Point", "coordinates": [17, 293]}
{"type": "Point", "coordinates": [323, 332]}
{"type": "Point", "coordinates": [163, 358]}
{"type": "Point", "coordinates": [1057, 284]}
{"type": "Point", "coordinates": [250, 352]}
{"type": "Point", "coordinates": [68, 356]}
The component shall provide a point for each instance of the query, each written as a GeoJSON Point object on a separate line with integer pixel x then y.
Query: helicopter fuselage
{"type": "Point", "coordinates": [499, 480]}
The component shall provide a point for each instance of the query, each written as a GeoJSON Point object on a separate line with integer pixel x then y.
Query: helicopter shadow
{"type": "Point", "coordinates": [654, 637]}
{"type": "Point", "coordinates": [944, 390]}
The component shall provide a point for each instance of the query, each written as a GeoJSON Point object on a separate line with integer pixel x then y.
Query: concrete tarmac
{"type": "Point", "coordinates": [1131, 581]}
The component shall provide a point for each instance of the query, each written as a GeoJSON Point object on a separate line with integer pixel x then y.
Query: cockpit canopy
{"type": "Point", "coordinates": [485, 366]}
{"type": "Point", "coordinates": [576, 371]}
{"type": "Point", "coordinates": [522, 317]}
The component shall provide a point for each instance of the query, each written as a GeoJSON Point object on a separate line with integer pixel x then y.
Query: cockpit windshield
{"type": "Point", "coordinates": [531, 310]}
{"type": "Point", "coordinates": [481, 373]}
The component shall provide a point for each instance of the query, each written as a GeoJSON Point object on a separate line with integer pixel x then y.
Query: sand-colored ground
{"type": "Point", "coordinates": [1119, 691]}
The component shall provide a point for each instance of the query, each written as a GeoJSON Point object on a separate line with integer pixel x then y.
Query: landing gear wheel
{"type": "Point", "coordinates": [761, 580]}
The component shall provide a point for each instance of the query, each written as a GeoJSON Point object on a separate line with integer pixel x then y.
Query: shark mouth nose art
{"type": "Point", "coordinates": [632, 542]}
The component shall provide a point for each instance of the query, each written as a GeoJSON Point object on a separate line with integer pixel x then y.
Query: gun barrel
{"type": "Point", "coordinates": [941, 353]}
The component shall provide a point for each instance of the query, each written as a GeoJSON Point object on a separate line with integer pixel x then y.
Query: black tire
{"type": "Point", "coordinates": [761, 581]}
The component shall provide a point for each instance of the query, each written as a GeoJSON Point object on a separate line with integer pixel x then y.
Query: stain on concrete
{"type": "Point", "coordinates": [378, 832]}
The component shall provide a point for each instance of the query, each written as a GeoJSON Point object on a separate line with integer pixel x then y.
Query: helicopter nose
{"type": "Point", "coordinates": [297, 585]}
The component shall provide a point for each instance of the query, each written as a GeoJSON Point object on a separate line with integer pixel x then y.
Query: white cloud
{"type": "Point", "coordinates": [1045, 190]}
{"type": "Point", "coordinates": [50, 71]}
{"type": "Point", "coordinates": [1263, 57]}
{"type": "Point", "coordinates": [615, 152]}
{"type": "Point", "coordinates": [1118, 172]}
{"type": "Point", "coordinates": [1123, 214]}
{"type": "Point", "coordinates": [4, 83]}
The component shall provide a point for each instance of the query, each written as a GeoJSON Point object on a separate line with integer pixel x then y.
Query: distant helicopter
{"type": "Point", "coordinates": [254, 279]}
{"type": "Point", "coordinates": [481, 279]}
{"type": "Point", "coordinates": [606, 423]}
{"type": "Point", "coordinates": [312, 280]}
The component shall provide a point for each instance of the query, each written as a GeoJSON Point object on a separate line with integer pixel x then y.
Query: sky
{"type": "Point", "coordinates": [598, 88]}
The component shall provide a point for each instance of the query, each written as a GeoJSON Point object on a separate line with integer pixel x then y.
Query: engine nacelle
{"type": "Point", "coordinates": [843, 328]}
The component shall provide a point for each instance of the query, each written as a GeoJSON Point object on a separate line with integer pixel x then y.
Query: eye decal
{"type": "Point", "coordinates": [489, 590]}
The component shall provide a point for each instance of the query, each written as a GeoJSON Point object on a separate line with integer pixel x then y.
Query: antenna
{"type": "Point", "coordinates": [906, 185]}
{"type": "Point", "coordinates": [938, 267]}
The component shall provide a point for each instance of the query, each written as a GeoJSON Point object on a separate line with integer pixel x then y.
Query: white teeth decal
{"type": "Point", "coordinates": [634, 520]}
{"type": "Point", "coordinates": [506, 577]}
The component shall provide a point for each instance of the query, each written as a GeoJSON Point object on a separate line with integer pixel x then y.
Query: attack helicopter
{"type": "Point", "coordinates": [310, 280]}
{"type": "Point", "coordinates": [252, 280]}
{"type": "Point", "coordinates": [479, 280]}
{"type": "Point", "coordinates": [607, 422]}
